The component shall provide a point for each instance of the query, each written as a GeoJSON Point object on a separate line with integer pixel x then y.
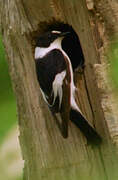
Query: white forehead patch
{"type": "Point", "coordinates": [56, 32]}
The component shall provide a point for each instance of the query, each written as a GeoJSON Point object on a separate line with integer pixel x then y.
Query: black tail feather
{"type": "Point", "coordinates": [87, 130]}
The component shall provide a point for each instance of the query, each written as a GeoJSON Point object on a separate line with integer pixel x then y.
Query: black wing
{"type": "Point", "coordinates": [48, 67]}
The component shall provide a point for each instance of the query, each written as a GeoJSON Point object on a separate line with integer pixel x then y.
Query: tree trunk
{"type": "Point", "coordinates": [46, 153]}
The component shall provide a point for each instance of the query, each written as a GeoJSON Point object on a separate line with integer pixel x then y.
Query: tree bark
{"type": "Point", "coordinates": [46, 153]}
{"type": "Point", "coordinates": [104, 16]}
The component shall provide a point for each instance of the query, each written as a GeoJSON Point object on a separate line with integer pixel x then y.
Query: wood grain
{"type": "Point", "coordinates": [46, 153]}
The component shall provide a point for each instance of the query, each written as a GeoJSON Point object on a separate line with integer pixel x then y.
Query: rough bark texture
{"type": "Point", "coordinates": [104, 16]}
{"type": "Point", "coordinates": [47, 155]}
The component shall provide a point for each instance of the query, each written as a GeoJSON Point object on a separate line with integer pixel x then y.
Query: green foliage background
{"type": "Point", "coordinates": [8, 116]}
{"type": "Point", "coordinates": [113, 55]}
{"type": "Point", "coordinates": [7, 99]}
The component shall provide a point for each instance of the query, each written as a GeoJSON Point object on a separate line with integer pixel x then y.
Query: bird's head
{"type": "Point", "coordinates": [49, 37]}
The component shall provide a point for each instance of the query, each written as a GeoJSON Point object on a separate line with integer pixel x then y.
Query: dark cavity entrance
{"type": "Point", "coordinates": [71, 45]}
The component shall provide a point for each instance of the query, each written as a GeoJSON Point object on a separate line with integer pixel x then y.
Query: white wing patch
{"type": "Point", "coordinates": [57, 87]}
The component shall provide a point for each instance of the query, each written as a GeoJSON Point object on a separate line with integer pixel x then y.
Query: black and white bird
{"type": "Point", "coordinates": [55, 76]}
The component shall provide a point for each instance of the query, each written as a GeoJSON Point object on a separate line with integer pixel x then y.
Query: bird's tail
{"type": "Point", "coordinates": [88, 131]}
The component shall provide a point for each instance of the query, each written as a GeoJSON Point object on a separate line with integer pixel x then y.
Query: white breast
{"type": "Point", "coordinates": [40, 52]}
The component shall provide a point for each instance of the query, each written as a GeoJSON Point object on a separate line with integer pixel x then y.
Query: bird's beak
{"type": "Point", "coordinates": [63, 34]}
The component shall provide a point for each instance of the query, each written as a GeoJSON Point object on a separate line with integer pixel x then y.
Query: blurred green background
{"type": "Point", "coordinates": [113, 56]}
{"type": "Point", "coordinates": [11, 163]}
{"type": "Point", "coordinates": [7, 99]}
